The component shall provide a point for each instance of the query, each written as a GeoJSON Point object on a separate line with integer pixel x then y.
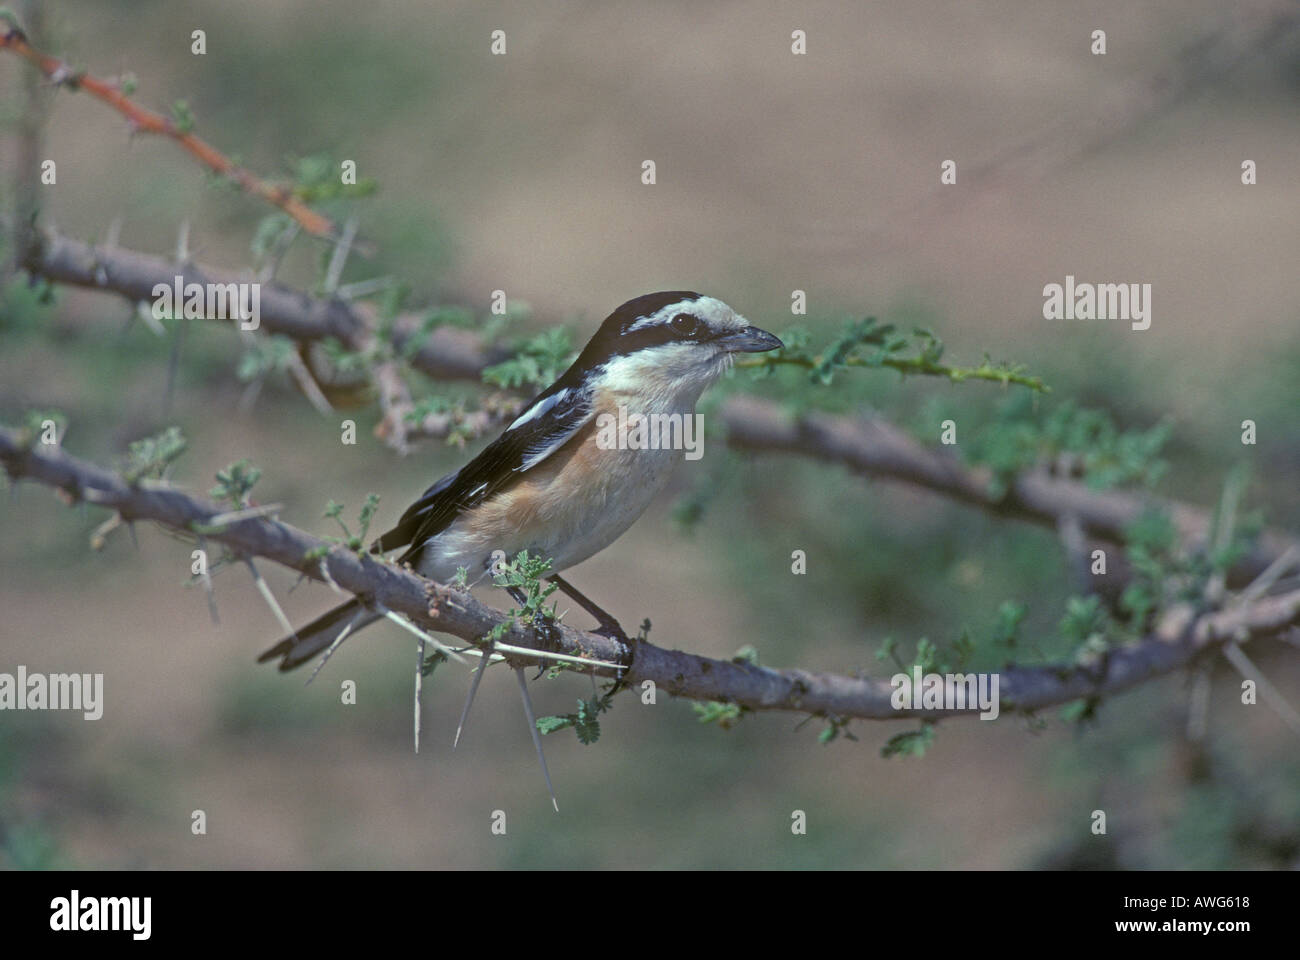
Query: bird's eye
{"type": "Point", "coordinates": [685, 325]}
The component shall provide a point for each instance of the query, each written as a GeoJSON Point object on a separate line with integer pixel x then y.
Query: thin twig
{"type": "Point", "coordinates": [143, 120]}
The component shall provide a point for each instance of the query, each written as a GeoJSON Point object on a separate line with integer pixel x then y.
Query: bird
{"type": "Point", "coordinates": [548, 484]}
{"type": "Point", "coordinates": [557, 482]}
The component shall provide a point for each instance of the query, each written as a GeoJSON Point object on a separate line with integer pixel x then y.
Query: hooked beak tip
{"type": "Point", "coordinates": [752, 340]}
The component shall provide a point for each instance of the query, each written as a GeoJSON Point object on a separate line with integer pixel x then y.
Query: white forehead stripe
{"type": "Point", "coordinates": [711, 310]}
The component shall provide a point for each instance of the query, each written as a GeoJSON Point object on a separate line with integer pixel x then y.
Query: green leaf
{"type": "Point", "coordinates": [268, 233]}
{"type": "Point", "coordinates": [725, 715]}
{"type": "Point", "coordinates": [912, 743]}
{"type": "Point", "coordinates": [587, 726]}
{"type": "Point", "coordinates": [927, 655]}
{"type": "Point", "coordinates": [151, 456]}
{"type": "Point", "coordinates": [368, 514]}
{"type": "Point", "coordinates": [1084, 618]}
{"type": "Point", "coordinates": [182, 117]}
{"type": "Point", "coordinates": [835, 726]}
{"type": "Point", "coordinates": [432, 663]}
{"type": "Point", "coordinates": [552, 724]}
{"type": "Point", "coordinates": [835, 356]}
{"type": "Point", "coordinates": [1080, 711]}
{"type": "Point", "coordinates": [235, 482]}
{"type": "Point", "coordinates": [537, 362]}
{"type": "Point", "coordinates": [584, 722]}
{"type": "Point", "coordinates": [1007, 627]}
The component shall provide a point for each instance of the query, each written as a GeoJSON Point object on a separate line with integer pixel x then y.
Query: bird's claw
{"type": "Point", "coordinates": [546, 635]}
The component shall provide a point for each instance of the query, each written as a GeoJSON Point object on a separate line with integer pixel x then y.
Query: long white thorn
{"type": "Point", "coordinates": [340, 255]}
{"type": "Point", "coordinates": [145, 313]}
{"type": "Point", "coordinates": [419, 684]}
{"type": "Point", "coordinates": [325, 575]}
{"type": "Point", "coordinates": [1271, 694]}
{"type": "Point", "coordinates": [547, 655]}
{"type": "Point", "coordinates": [269, 597]}
{"type": "Point", "coordinates": [537, 738]}
{"type": "Point", "coordinates": [476, 652]}
{"type": "Point", "coordinates": [309, 386]}
{"type": "Point", "coordinates": [469, 700]}
{"type": "Point", "coordinates": [249, 513]}
{"type": "Point", "coordinates": [206, 577]}
{"type": "Point", "coordinates": [412, 628]}
{"type": "Point", "coordinates": [1261, 584]}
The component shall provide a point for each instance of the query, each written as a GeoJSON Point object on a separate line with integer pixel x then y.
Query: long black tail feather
{"type": "Point", "coordinates": [317, 636]}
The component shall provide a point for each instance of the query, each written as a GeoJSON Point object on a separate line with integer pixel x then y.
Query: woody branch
{"type": "Point", "coordinates": [873, 448]}
{"type": "Point", "coordinates": [1180, 638]}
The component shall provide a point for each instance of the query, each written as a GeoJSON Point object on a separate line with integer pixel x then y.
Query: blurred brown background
{"type": "Point", "coordinates": [775, 172]}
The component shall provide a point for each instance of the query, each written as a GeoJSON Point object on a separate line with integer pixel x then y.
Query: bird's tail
{"type": "Point", "coordinates": [320, 634]}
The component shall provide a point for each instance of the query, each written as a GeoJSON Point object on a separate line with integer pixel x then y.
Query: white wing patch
{"type": "Point", "coordinates": [538, 409]}
{"type": "Point", "coordinates": [568, 412]}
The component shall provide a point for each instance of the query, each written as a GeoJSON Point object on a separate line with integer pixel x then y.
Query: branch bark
{"type": "Point", "coordinates": [872, 448]}
{"type": "Point", "coordinates": [875, 448]}
{"type": "Point", "coordinates": [447, 353]}
{"type": "Point", "coordinates": [1180, 639]}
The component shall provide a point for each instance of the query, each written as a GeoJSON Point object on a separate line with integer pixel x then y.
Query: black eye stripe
{"type": "Point", "coordinates": [616, 336]}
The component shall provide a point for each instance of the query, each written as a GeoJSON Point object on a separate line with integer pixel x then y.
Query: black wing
{"type": "Point", "coordinates": [547, 423]}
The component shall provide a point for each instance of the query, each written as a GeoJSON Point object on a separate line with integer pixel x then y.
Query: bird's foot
{"type": "Point", "coordinates": [546, 637]}
{"type": "Point", "coordinates": [546, 631]}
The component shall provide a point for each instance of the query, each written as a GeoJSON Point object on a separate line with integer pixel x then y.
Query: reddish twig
{"type": "Point", "coordinates": [143, 120]}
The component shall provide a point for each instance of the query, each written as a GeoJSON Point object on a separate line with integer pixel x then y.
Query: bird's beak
{"type": "Point", "coordinates": [750, 340]}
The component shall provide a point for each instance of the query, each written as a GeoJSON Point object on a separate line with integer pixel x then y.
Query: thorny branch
{"type": "Point", "coordinates": [143, 120]}
{"type": "Point", "coordinates": [1181, 637]}
{"type": "Point", "coordinates": [446, 353]}
{"type": "Point", "coordinates": [873, 448]}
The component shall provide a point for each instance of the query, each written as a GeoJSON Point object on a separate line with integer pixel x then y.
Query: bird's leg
{"type": "Point", "coordinates": [544, 629]}
{"type": "Point", "coordinates": [609, 627]}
